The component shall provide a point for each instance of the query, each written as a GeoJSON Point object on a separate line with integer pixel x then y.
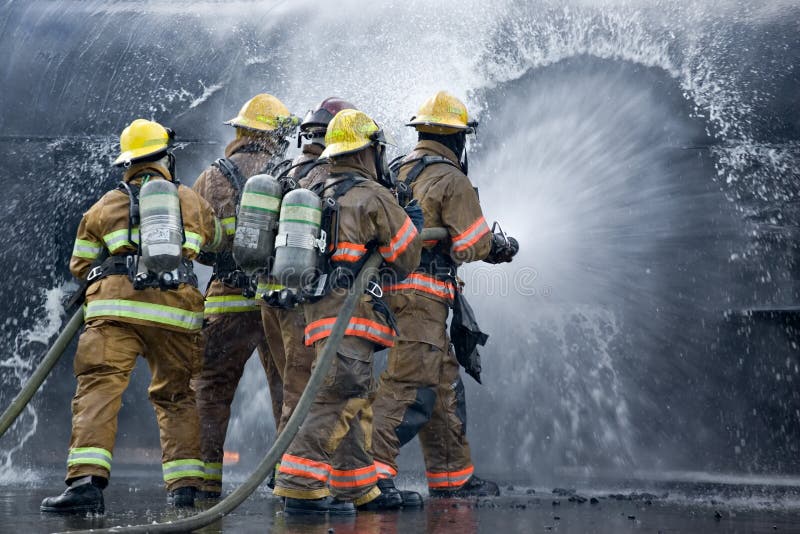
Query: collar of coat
{"type": "Point", "coordinates": [149, 167]}
{"type": "Point", "coordinates": [313, 150]}
{"type": "Point", "coordinates": [438, 149]}
{"type": "Point", "coordinates": [361, 162]}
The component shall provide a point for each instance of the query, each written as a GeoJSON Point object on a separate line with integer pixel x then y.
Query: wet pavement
{"type": "Point", "coordinates": [136, 499]}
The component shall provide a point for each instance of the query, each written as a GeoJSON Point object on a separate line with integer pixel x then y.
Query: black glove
{"type": "Point", "coordinates": [503, 249]}
{"type": "Point", "coordinates": [206, 258]}
{"type": "Point", "coordinates": [414, 213]}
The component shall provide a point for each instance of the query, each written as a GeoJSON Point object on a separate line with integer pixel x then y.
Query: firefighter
{"type": "Point", "coordinates": [233, 321]}
{"type": "Point", "coordinates": [331, 446]}
{"type": "Point", "coordinates": [132, 308]}
{"type": "Point", "coordinates": [285, 326]}
{"type": "Point", "coordinates": [421, 391]}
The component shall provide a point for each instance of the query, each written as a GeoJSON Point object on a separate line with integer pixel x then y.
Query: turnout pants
{"type": "Point", "coordinates": [106, 356]}
{"type": "Point", "coordinates": [329, 454]}
{"type": "Point", "coordinates": [230, 340]}
{"type": "Point", "coordinates": [284, 330]}
{"type": "Point", "coordinates": [421, 392]}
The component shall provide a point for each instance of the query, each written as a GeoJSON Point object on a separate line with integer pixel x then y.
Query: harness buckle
{"type": "Point", "coordinates": [94, 273]}
{"type": "Point", "coordinates": [322, 242]}
{"type": "Point", "coordinates": [374, 289]}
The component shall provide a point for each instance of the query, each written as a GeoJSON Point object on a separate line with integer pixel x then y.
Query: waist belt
{"type": "Point", "coordinates": [227, 272]}
{"type": "Point", "coordinates": [127, 265]}
{"type": "Point", "coordinates": [112, 265]}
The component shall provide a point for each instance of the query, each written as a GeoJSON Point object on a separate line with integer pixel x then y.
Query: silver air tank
{"type": "Point", "coordinates": [257, 222]}
{"type": "Point", "coordinates": [160, 227]}
{"type": "Point", "coordinates": [298, 244]}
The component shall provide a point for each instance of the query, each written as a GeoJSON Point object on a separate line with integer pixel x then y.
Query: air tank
{"type": "Point", "coordinates": [160, 227]}
{"type": "Point", "coordinates": [256, 223]}
{"type": "Point", "coordinates": [296, 246]}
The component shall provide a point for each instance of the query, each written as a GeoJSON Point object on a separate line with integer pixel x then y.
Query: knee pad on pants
{"type": "Point", "coordinates": [417, 414]}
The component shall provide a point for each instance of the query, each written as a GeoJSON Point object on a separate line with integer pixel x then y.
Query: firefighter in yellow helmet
{"type": "Point", "coordinates": [421, 391]}
{"type": "Point", "coordinates": [285, 326]}
{"type": "Point", "coordinates": [135, 306]}
{"type": "Point", "coordinates": [327, 468]}
{"type": "Point", "coordinates": [233, 320]}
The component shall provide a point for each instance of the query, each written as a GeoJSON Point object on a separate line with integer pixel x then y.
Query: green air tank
{"type": "Point", "coordinates": [297, 244]}
{"type": "Point", "coordinates": [256, 223]}
{"type": "Point", "coordinates": [160, 227]}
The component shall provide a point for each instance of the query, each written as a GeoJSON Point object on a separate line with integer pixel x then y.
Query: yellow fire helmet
{"type": "Point", "coordinates": [264, 113]}
{"type": "Point", "coordinates": [442, 114]}
{"type": "Point", "coordinates": [142, 138]}
{"type": "Point", "coordinates": [350, 131]}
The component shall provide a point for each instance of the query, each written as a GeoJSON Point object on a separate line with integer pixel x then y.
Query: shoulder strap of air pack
{"type": "Point", "coordinates": [132, 191]}
{"type": "Point", "coordinates": [276, 166]}
{"type": "Point", "coordinates": [230, 171]}
{"type": "Point", "coordinates": [420, 164]}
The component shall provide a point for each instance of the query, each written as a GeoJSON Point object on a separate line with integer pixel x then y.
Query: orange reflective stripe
{"type": "Point", "coordinates": [357, 326]}
{"type": "Point", "coordinates": [471, 235]}
{"type": "Point", "coordinates": [385, 470]}
{"type": "Point", "coordinates": [400, 242]}
{"type": "Point", "coordinates": [450, 479]}
{"type": "Point", "coordinates": [348, 252]}
{"type": "Point", "coordinates": [426, 283]}
{"type": "Point", "coordinates": [353, 478]}
{"type": "Point", "coordinates": [303, 467]}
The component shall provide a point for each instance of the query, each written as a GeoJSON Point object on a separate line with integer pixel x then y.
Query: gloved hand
{"type": "Point", "coordinates": [414, 212]}
{"type": "Point", "coordinates": [206, 258]}
{"type": "Point", "coordinates": [502, 250]}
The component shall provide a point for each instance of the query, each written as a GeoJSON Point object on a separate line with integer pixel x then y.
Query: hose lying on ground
{"type": "Point", "coordinates": [232, 501]}
{"type": "Point", "coordinates": [40, 374]}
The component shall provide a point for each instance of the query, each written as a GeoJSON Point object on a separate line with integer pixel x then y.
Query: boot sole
{"type": "Point", "coordinates": [72, 511]}
{"type": "Point", "coordinates": [304, 511]}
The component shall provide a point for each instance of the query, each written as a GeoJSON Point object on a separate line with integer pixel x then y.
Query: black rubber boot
{"type": "Point", "coordinates": [182, 497]}
{"type": "Point", "coordinates": [326, 505]}
{"type": "Point", "coordinates": [389, 499]}
{"type": "Point", "coordinates": [411, 499]}
{"type": "Point", "coordinates": [208, 495]}
{"type": "Point", "coordinates": [474, 487]}
{"type": "Point", "coordinates": [85, 498]}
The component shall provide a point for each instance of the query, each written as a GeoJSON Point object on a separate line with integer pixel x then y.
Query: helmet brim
{"type": "Point", "coordinates": [130, 156]}
{"type": "Point", "coordinates": [342, 149]}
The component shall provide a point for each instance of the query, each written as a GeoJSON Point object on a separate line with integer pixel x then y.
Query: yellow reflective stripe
{"type": "Point", "coordinates": [86, 249]}
{"type": "Point", "coordinates": [89, 456]}
{"type": "Point", "coordinates": [146, 311]}
{"type": "Point", "coordinates": [217, 235]}
{"type": "Point", "coordinates": [119, 238]}
{"type": "Point", "coordinates": [213, 471]}
{"type": "Point", "coordinates": [183, 469]}
{"type": "Point", "coordinates": [260, 201]}
{"type": "Point", "coordinates": [193, 241]}
{"type": "Point", "coordinates": [229, 304]}
{"type": "Point", "coordinates": [229, 224]}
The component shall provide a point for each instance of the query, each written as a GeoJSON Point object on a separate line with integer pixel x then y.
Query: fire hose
{"type": "Point", "coordinates": [282, 441]}
{"type": "Point", "coordinates": [42, 370]}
